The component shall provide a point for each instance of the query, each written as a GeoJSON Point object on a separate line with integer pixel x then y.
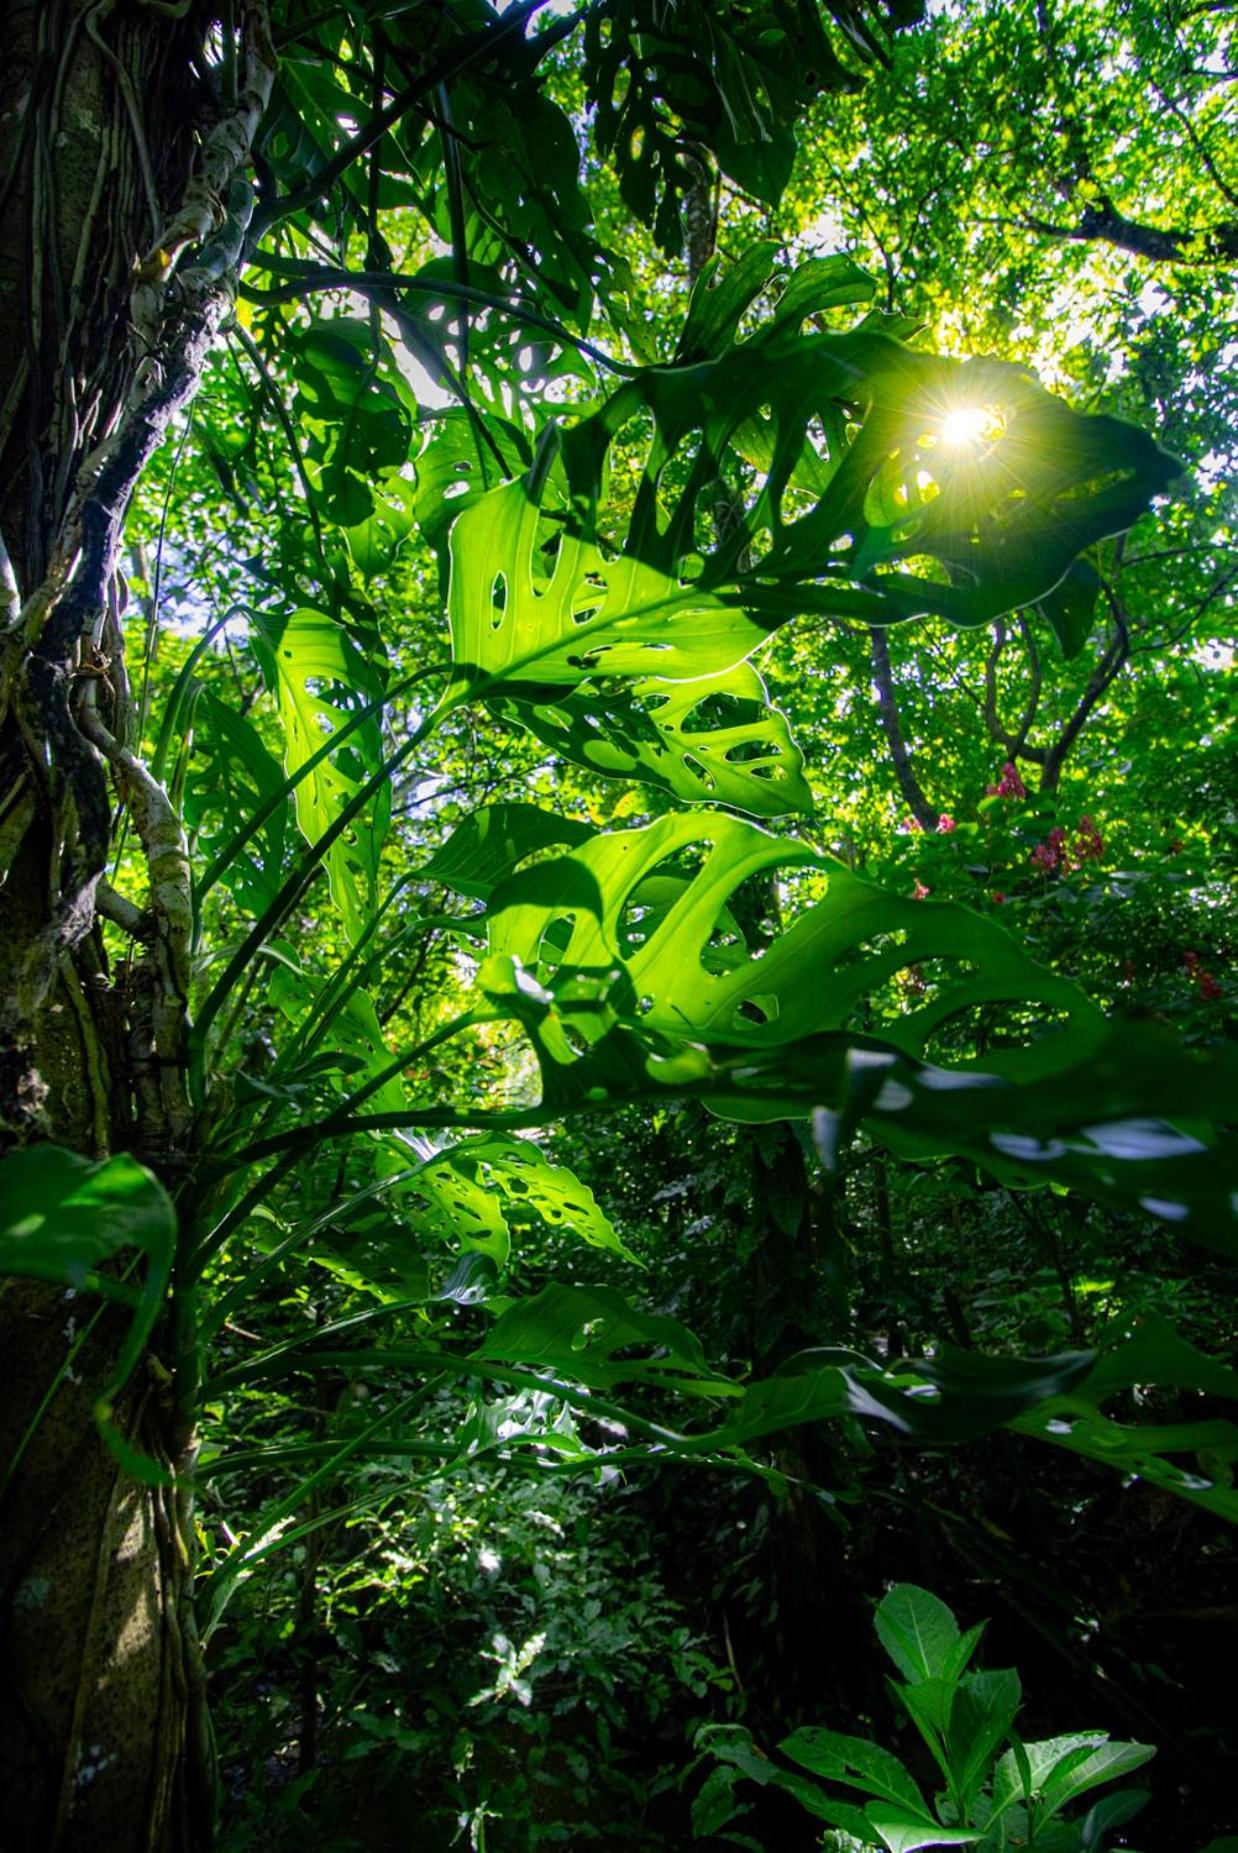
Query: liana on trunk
{"type": "Point", "coordinates": [121, 157]}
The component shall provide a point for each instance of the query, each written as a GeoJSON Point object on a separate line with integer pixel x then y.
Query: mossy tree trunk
{"type": "Point", "coordinates": [118, 158]}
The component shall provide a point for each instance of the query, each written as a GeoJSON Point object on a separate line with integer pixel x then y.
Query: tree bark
{"type": "Point", "coordinates": [116, 159]}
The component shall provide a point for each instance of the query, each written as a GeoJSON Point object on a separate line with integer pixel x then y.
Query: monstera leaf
{"type": "Point", "coordinates": [713, 741]}
{"type": "Point", "coordinates": [734, 79]}
{"type": "Point", "coordinates": [662, 904]}
{"type": "Point", "coordinates": [645, 963]}
{"type": "Point", "coordinates": [479, 1190]}
{"type": "Point", "coordinates": [234, 776]}
{"type": "Point", "coordinates": [787, 473]}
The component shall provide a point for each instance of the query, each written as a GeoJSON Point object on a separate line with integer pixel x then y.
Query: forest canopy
{"type": "Point", "coordinates": [616, 872]}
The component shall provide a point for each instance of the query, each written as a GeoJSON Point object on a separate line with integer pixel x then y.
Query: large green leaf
{"type": "Point", "coordinates": [356, 410]}
{"type": "Point", "coordinates": [729, 79]}
{"type": "Point", "coordinates": [903, 1834]}
{"type": "Point", "coordinates": [659, 905]}
{"type": "Point", "coordinates": [1060, 1769]}
{"type": "Point", "coordinates": [524, 616]}
{"type": "Point", "coordinates": [714, 741]}
{"type": "Point", "coordinates": [67, 1219]}
{"type": "Point", "coordinates": [479, 1190]}
{"type": "Point", "coordinates": [732, 1744]}
{"type": "Point", "coordinates": [63, 1217]}
{"type": "Point", "coordinates": [835, 1757]}
{"type": "Point", "coordinates": [919, 1633]}
{"type": "Point", "coordinates": [981, 1718]}
{"type": "Point", "coordinates": [321, 678]}
{"type": "Point", "coordinates": [788, 473]}
{"type": "Point", "coordinates": [592, 1332]}
{"type": "Point", "coordinates": [492, 842]}
{"type": "Point", "coordinates": [645, 962]}
{"type": "Point", "coordinates": [234, 775]}
{"type": "Point", "coordinates": [1193, 1459]}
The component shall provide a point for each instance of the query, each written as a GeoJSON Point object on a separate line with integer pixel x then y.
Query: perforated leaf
{"type": "Point", "coordinates": [732, 79]}
{"type": "Point", "coordinates": [480, 1189]}
{"type": "Point", "coordinates": [658, 905]}
{"type": "Point", "coordinates": [712, 741]}
{"type": "Point", "coordinates": [788, 473]}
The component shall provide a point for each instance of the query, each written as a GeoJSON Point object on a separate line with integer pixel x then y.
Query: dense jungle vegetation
{"type": "Point", "coordinates": [617, 1219]}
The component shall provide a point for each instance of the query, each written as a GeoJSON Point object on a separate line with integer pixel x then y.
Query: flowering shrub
{"type": "Point", "coordinates": [1055, 856]}
{"type": "Point", "coordinates": [1010, 785]}
{"type": "Point", "coordinates": [1207, 983]}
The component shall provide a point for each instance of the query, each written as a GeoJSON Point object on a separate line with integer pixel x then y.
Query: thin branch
{"type": "Point", "coordinates": [883, 682]}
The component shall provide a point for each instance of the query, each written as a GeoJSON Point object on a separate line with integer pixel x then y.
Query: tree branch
{"type": "Point", "coordinates": [883, 682]}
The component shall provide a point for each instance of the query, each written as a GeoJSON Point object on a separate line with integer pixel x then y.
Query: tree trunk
{"type": "Point", "coordinates": [115, 158]}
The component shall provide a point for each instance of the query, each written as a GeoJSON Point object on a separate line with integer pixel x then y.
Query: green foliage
{"type": "Point", "coordinates": [449, 1235]}
{"type": "Point", "coordinates": [69, 1221]}
{"type": "Point", "coordinates": [993, 1798]}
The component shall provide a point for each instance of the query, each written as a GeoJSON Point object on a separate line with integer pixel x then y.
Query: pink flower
{"type": "Point", "coordinates": [1052, 856]}
{"type": "Point", "coordinates": [1089, 845]}
{"type": "Point", "coordinates": [920, 892]}
{"type": "Point", "coordinates": [945, 824]}
{"type": "Point", "coordinates": [1010, 784]}
{"type": "Point", "coordinates": [1209, 986]}
{"type": "Point", "coordinates": [998, 896]}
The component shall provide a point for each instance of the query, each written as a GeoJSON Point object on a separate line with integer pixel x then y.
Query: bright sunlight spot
{"type": "Point", "coordinates": [971, 424]}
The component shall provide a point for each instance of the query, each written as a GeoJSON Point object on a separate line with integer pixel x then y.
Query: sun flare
{"type": "Point", "coordinates": [970, 425]}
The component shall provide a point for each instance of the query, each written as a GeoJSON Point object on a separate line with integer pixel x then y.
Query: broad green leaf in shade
{"type": "Point", "coordinates": [1060, 1769]}
{"type": "Point", "coordinates": [714, 1804]}
{"type": "Point", "coordinates": [321, 678]}
{"type": "Point", "coordinates": [64, 1218]}
{"type": "Point", "coordinates": [836, 1757]}
{"type": "Point", "coordinates": [375, 541]}
{"type": "Point", "coordinates": [730, 80]}
{"type": "Point", "coordinates": [357, 1048]}
{"type": "Point", "coordinates": [233, 776]}
{"type": "Point", "coordinates": [375, 1253]}
{"type": "Point", "coordinates": [492, 843]}
{"type": "Point", "coordinates": [981, 1716]}
{"type": "Point", "coordinates": [1038, 1760]}
{"type": "Point", "coordinates": [1105, 1763]}
{"type": "Point", "coordinates": [732, 1744]}
{"type": "Point", "coordinates": [356, 411]}
{"type": "Point", "coordinates": [716, 741]}
{"type": "Point", "coordinates": [902, 1834]}
{"type": "Point", "coordinates": [816, 1387]}
{"type": "Point", "coordinates": [918, 1632]}
{"type": "Point", "coordinates": [589, 1332]}
{"type": "Point", "coordinates": [1110, 1812]}
{"type": "Point", "coordinates": [478, 1191]}
{"type": "Point", "coordinates": [1194, 1460]}
{"type": "Point", "coordinates": [720, 298]}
